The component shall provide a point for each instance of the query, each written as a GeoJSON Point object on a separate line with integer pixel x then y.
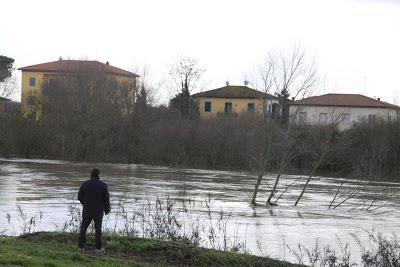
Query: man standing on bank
{"type": "Point", "coordinates": [94, 196]}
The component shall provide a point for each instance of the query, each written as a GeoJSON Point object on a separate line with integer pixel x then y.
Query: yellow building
{"type": "Point", "coordinates": [234, 99]}
{"type": "Point", "coordinates": [34, 76]}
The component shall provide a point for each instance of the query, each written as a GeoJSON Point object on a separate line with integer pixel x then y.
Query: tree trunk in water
{"type": "Point", "coordinates": [282, 167]}
{"type": "Point", "coordinates": [310, 176]}
{"type": "Point", "coordinates": [257, 185]}
{"type": "Point", "coordinates": [274, 188]}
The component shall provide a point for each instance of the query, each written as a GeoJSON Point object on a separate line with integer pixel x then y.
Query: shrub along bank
{"type": "Point", "coordinates": [162, 136]}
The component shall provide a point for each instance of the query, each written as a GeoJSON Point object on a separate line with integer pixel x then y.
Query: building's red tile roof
{"type": "Point", "coordinates": [77, 65]}
{"type": "Point", "coordinates": [234, 91]}
{"type": "Point", "coordinates": [344, 100]}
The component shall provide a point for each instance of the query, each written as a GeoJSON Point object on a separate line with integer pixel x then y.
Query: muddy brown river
{"type": "Point", "coordinates": [50, 186]}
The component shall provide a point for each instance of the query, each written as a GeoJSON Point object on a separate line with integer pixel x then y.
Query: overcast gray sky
{"type": "Point", "coordinates": [355, 43]}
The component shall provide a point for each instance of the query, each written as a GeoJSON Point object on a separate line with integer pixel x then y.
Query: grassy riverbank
{"type": "Point", "coordinates": [59, 249]}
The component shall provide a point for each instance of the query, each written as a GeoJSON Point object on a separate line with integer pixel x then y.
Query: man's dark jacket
{"type": "Point", "coordinates": [95, 198]}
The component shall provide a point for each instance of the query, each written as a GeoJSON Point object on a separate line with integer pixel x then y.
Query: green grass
{"type": "Point", "coordinates": [59, 249]}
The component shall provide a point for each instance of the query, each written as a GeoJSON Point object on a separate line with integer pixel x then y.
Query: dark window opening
{"type": "Point", "coordinates": [275, 109]}
{"type": "Point", "coordinates": [371, 117]}
{"type": "Point", "coordinates": [32, 81]}
{"type": "Point", "coordinates": [207, 107]}
{"type": "Point", "coordinates": [250, 107]}
{"type": "Point", "coordinates": [31, 100]}
{"type": "Point", "coordinates": [228, 106]}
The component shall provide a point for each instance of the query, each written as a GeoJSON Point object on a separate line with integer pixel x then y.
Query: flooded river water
{"type": "Point", "coordinates": [49, 186]}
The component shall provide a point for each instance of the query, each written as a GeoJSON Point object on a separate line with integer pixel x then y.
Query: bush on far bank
{"type": "Point", "coordinates": [162, 136]}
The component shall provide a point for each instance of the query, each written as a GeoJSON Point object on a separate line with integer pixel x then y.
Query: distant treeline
{"type": "Point", "coordinates": [76, 121]}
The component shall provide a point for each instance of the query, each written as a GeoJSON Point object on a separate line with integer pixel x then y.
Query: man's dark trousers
{"type": "Point", "coordinates": [97, 226]}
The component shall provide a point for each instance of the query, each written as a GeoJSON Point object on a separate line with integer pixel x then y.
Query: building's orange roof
{"type": "Point", "coordinates": [344, 100]}
{"type": "Point", "coordinates": [77, 65]}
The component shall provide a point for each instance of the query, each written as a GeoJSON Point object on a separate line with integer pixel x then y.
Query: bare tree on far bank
{"type": "Point", "coordinates": [321, 141]}
{"type": "Point", "coordinates": [185, 75]}
{"type": "Point", "coordinates": [286, 76]}
{"type": "Point", "coordinates": [146, 91]}
{"type": "Point", "coordinates": [85, 111]}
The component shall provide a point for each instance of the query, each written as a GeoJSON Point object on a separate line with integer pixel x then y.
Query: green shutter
{"type": "Point", "coordinates": [250, 107]}
{"type": "Point", "coordinates": [32, 81]}
{"type": "Point", "coordinates": [228, 106]}
{"type": "Point", "coordinates": [207, 107]}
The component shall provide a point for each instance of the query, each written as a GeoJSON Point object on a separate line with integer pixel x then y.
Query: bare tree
{"type": "Point", "coordinates": [285, 76]}
{"type": "Point", "coordinates": [85, 111]}
{"type": "Point", "coordinates": [321, 149]}
{"type": "Point", "coordinates": [288, 76]}
{"type": "Point", "coordinates": [324, 135]}
{"type": "Point", "coordinates": [185, 75]}
{"type": "Point", "coordinates": [147, 92]}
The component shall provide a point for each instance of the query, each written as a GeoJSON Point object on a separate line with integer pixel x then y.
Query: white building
{"type": "Point", "coordinates": [341, 109]}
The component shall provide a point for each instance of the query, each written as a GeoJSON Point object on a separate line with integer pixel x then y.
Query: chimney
{"type": "Point", "coordinates": [246, 82]}
{"type": "Point", "coordinates": [60, 59]}
{"type": "Point", "coordinates": [292, 98]}
{"type": "Point", "coordinates": [227, 83]}
{"type": "Point", "coordinates": [379, 99]}
{"type": "Point", "coordinates": [107, 63]}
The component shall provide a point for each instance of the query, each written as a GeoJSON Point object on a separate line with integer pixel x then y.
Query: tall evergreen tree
{"type": "Point", "coordinates": [6, 67]}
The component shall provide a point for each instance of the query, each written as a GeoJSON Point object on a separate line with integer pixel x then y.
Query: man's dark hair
{"type": "Point", "coordinates": [95, 173]}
